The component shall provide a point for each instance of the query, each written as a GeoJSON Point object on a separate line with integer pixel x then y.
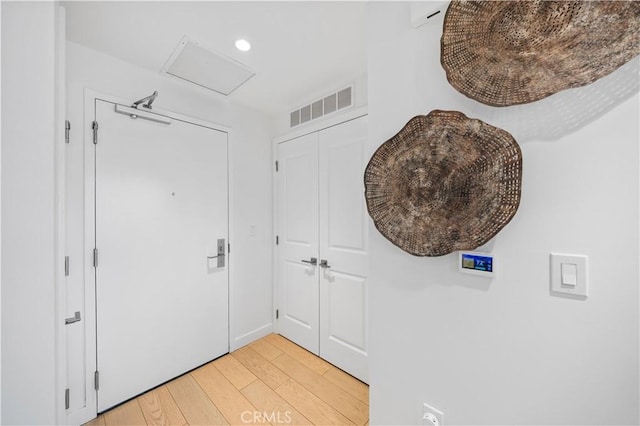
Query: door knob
{"type": "Point", "coordinates": [313, 261]}
{"type": "Point", "coordinates": [324, 264]}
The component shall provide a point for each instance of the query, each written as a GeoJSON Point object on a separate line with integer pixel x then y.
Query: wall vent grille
{"type": "Point", "coordinates": [319, 108]}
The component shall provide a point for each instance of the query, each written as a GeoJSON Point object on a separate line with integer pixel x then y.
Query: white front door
{"type": "Point", "coordinates": [161, 207]}
{"type": "Point", "coordinates": [344, 247]}
{"type": "Point", "coordinates": [322, 219]}
{"type": "Point", "coordinates": [298, 241]}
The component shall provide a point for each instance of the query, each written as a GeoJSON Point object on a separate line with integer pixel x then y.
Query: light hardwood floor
{"type": "Point", "coordinates": [270, 381]}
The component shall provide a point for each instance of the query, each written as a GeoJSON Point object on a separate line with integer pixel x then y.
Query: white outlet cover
{"type": "Point", "coordinates": [428, 413]}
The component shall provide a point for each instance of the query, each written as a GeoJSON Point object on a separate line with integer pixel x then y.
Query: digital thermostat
{"type": "Point", "coordinates": [476, 263]}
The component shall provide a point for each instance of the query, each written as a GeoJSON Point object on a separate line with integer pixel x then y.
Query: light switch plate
{"type": "Point", "coordinates": [581, 288]}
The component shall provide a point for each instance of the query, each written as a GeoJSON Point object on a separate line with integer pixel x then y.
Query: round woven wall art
{"type": "Point", "coordinates": [513, 52]}
{"type": "Point", "coordinates": [445, 182]}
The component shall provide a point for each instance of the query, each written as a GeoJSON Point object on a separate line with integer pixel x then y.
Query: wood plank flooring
{"type": "Point", "coordinates": [270, 381]}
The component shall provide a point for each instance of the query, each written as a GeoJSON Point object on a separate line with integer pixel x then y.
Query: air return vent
{"type": "Point", "coordinates": [195, 64]}
{"type": "Point", "coordinates": [329, 104]}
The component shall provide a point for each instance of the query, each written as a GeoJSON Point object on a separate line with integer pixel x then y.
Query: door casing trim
{"type": "Point", "coordinates": [89, 411]}
{"type": "Point", "coordinates": [312, 128]}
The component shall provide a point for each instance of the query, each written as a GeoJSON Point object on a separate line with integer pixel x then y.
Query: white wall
{"type": "Point", "coordinates": [28, 213]}
{"type": "Point", "coordinates": [251, 225]}
{"type": "Point", "coordinates": [504, 351]}
{"type": "Point", "coordinates": [249, 168]}
{"type": "Point", "coordinates": [0, 221]}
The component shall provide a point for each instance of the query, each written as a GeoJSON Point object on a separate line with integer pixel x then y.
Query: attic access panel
{"type": "Point", "coordinates": [195, 64]}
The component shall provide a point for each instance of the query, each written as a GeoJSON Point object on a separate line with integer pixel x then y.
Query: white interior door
{"type": "Point", "coordinates": [161, 206]}
{"type": "Point", "coordinates": [344, 246]}
{"type": "Point", "coordinates": [298, 302]}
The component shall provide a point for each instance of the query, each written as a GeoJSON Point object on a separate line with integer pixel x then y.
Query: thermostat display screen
{"type": "Point", "coordinates": [477, 263]}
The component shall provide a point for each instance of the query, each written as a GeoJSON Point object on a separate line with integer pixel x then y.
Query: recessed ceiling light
{"type": "Point", "coordinates": [243, 45]}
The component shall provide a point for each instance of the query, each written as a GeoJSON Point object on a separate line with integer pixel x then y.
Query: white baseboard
{"type": "Point", "coordinates": [251, 336]}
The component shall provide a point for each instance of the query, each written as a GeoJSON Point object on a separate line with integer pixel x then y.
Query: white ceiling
{"type": "Point", "coordinates": [299, 47]}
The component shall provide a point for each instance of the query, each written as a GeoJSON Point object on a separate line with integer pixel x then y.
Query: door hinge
{"type": "Point", "coordinates": [94, 126]}
{"type": "Point", "coordinates": [276, 165]}
{"type": "Point", "coordinates": [277, 313]}
{"type": "Point", "coordinates": [66, 399]}
{"type": "Point", "coordinates": [95, 257]}
{"type": "Point", "coordinates": [96, 380]}
{"type": "Point", "coordinates": [67, 128]}
{"type": "Point", "coordinates": [277, 240]}
{"type": "Point", "coordinates": [228, 247]}
{"type": "Point", "coordinates": [66, 266]}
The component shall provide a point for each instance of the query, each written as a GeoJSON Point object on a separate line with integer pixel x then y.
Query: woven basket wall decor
{"type": "Point", "coordinates": [513, 52]}
{"type": "Point", "coordinates": [445, 182]}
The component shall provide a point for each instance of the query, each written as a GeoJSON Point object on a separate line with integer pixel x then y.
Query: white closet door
{"type": "Point", "coordinates": [344, 246]}
{"type": "Point", "coordinates": [298, 241]}
{"type": "Point", "coordinates": [161, 206]}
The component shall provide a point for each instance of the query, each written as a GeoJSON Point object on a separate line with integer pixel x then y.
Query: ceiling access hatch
{"type": "Point", "coordinates": [195, 64]}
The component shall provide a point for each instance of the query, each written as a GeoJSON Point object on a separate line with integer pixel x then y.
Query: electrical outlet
{"type": "Point", "coordinates": [432, 416]}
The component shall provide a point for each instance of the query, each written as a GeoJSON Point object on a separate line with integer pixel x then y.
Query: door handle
{"type": "Point", "coordinates": [313, 261]}
{"type": "Point", "coordinates": [221, 253]}
{"type": "Point", "coordinates": [74, 318]}
{"type": "Point", "coordinates": [324, 264]}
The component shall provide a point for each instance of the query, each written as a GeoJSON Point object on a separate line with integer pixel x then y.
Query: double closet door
{"type": "Point", "coordinates": [322, 252]}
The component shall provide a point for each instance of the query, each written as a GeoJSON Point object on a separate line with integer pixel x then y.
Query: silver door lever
{"type": "Point", "coordinates": [324, 264]}
{"type": "Point", "coordinates": [313, 261]}
{"type": "Point", "coordinates": [221, 253]}
{"type": "Point", "coordinates": [74, 318]}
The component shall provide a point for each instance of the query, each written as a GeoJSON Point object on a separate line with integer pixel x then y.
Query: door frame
{"type": "Point", "coordinates": [60, 151]}
{"type": "Point", "coordinates": [89, 411]}
{"type": "Point", "coordinates": [307, 129]}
